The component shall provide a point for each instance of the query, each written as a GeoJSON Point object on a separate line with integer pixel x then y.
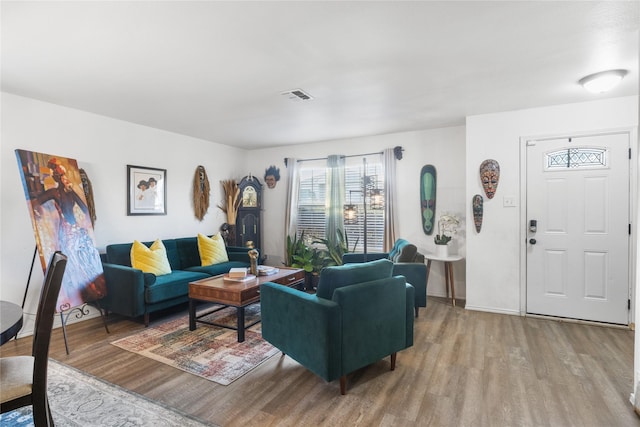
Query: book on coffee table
{"type": "Point", "coordinates": [238, 273]}
{"type": "Point", "coordinates": [246, 278]}
{"type": "Point", "coordinates": [266, 270]}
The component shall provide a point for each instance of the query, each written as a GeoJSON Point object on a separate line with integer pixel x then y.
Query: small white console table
{"type": "Point", "coordinates": [448, 261]}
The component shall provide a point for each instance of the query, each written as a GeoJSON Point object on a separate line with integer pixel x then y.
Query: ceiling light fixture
{"type": "Point", "coordinates": [602, 81]}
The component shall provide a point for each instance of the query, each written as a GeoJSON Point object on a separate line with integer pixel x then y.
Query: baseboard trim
{"type": "Point", "coordinates": [578, 321]}
{"type": "Point", "coordinates": [493, 310]}
{"type": "Point", "coordinates": [29, 321]}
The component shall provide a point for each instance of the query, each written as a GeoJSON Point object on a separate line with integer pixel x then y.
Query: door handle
{"type": "Point", "coordinates": [532, 241]}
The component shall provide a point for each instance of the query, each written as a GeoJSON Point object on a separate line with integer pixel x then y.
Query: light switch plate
{"type": "Point", "coordinates": [509, 202]}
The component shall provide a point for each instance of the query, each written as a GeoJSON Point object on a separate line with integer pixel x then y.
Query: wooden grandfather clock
{"type": "Point", "coordinates": [248, 219]}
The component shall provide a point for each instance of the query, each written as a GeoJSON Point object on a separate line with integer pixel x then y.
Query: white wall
{"type": "Point", "coordinates": [444, 148]}
{"type": "Point", "coordinates": [103, 147]}
{"type": "Point", "coordinates": [494, 270]}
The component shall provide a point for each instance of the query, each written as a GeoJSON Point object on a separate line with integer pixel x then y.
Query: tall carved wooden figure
{"type": "Point", "coordinates": [490, 176]}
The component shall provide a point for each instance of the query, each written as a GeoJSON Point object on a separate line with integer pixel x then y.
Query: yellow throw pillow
{"type": "Point", "coordinates": [150, 260]}
{"type": "Point", "coordinates": [212, 249]}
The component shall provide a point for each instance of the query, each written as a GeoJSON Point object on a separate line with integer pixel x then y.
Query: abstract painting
{"type": "Point", "coordinates": [62, 222]}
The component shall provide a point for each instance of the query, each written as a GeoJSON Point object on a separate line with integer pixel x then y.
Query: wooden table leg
{"type": "Point", "coordinates": [192, 314]}
{"type": "Point", "coordinates": [240, 324]}
{"type": "Point", "coordinates": [449, 267]}
{"type": "Point", "coordinates": [447, 285]}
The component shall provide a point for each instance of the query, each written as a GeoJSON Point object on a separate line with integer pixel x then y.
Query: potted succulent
{"type": "Point", "coordinates": [447, 226]}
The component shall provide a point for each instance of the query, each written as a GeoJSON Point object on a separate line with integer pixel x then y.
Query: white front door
{"type": "Point", "coordinates": [578, 255]}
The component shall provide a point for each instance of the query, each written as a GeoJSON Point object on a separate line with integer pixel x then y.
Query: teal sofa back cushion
{"type": "Point", "coordinates": [332, 278]}
{"type": "Point", "coordinates": [189, 253]}
{"type": "Point", "coordinates": [120, 253]}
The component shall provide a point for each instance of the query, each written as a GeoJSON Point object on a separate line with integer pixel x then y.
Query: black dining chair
{"type": "Point", "coordinates": [23, 379]}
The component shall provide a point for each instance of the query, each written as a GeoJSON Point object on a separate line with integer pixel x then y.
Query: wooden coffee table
{"type": "Point", "coordinates": [235, 294]}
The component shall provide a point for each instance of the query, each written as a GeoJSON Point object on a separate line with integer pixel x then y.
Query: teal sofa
{"type": "Point", "coordinates": [132, 293]}
{"type": "Point", "coordinates": [359, 315]}
{"type": "Point", "coordinates": [407, 262]}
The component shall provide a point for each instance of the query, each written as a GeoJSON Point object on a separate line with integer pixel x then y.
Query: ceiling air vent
{"type": "Point", "coordinates": [297, 95]}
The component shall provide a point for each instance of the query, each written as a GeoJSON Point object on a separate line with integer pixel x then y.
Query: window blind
{"type": "Point", "coordinates": [312, 205]}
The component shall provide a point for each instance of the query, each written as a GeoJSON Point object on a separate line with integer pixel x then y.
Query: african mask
{"type": "Point", "coordinates": [477, 212]}
{"type": "Point", "coordinates": [272, 176]}
{"type": "Point", "coordinates": [489, 176]}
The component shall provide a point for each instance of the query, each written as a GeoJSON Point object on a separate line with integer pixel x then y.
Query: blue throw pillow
{"type": "Point", "coordinates": [397, 247]}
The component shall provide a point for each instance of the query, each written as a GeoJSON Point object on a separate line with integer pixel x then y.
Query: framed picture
{"type": "Point", "coordinates": [146, 191]}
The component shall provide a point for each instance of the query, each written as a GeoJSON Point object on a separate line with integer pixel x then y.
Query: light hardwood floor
{"type": "Point", "coordinates": [466, 368]}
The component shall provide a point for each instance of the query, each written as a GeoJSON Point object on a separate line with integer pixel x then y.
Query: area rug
{"type": "Point", "coordinates": [78, 399]}
{"type": "Point", "coordinates": [210, 352]}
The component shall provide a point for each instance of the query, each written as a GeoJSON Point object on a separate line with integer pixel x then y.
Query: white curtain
{"type": "Point", "coordinates": [291, 212]}
{"type": "Point", "coordinates": [335, 196]}
{"type": "Point", "coordinates": [390, 210]}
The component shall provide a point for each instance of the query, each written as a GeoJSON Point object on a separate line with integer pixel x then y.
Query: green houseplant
{"type": "Point", "coordinates": [300, 255]}
{"type": "Point", "coordinates": [295, 246]}
{"type": "Point", "coordinates": [335, 247]}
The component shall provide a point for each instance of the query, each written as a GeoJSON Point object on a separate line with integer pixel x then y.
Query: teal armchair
{"type": "Point", "coordinates": [408, 262]}
{"type": "Point", "coordinates": [359, 315]}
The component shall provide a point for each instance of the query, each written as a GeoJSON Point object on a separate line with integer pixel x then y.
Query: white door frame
{"type": "Point", "coordinates": [633, 207]}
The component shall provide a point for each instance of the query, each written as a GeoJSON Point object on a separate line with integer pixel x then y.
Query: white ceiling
{"type": "Point", "coordinates": [215, 70]}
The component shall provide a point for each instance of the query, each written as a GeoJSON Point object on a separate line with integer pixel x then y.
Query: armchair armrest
{"type": "Point", "coordinates": [416, 275]}
{"type": "Point", "coordinates": [304, 327]}
{"type": "Point", "coordinates": [125, 289]}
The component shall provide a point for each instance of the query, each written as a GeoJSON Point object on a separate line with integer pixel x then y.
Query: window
{"type": "Point", "coordinates": [312, 202]}
{"type": "Point", "coordinates": [577, 158]}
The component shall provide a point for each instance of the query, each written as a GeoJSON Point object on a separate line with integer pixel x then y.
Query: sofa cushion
{"type": "Point", "coordinates": [212, 250]}
{"type": "Point", "coordinates": [332, 278]}
{"type": "Point", "coordinates": [407, 253]}
{"type": "Point", "coordinates": [171, 286]}
{"type": "Point", "coordinates": [150, 259]}
{"type": "Point", "coordinates": [397, 247]}
{"type": "Point", "coordinates": [120, 253]}
{"type": "Point", "coordinates": [188, 252]}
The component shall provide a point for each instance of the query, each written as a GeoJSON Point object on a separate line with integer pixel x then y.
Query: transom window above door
{"type": "Point", "coordinates": [577, 158]}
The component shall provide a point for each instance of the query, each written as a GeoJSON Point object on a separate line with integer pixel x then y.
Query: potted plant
{"type": "Point", "coordinates": [307, 258]}
{"type": "Point", "coordinates": [446, 224]}
{"type": "Point", "coordinates": [335, 247]}
{"type": "Point", "coordinates": [294, 246]}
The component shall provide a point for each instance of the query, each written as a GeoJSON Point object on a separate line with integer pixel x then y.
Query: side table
{"type": "Point", "coordinates": [448, 271]}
